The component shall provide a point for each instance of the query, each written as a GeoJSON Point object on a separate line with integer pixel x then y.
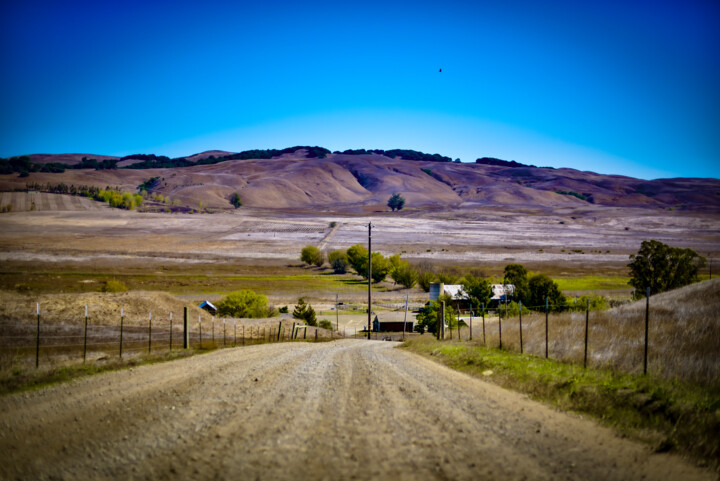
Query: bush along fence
{"type": "Point", "coordinates": [85, 339]}
{"type": "Point", "coordinates": [628, 340]}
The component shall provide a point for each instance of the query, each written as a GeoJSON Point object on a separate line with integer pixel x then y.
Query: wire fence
{"type": "Point", "coordinates": [681, 342]}
{"type": "Point", "coordinates": [52, 339]}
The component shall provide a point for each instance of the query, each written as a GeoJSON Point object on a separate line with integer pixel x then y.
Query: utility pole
{"type": "Point", "coordinates": [369, 326]}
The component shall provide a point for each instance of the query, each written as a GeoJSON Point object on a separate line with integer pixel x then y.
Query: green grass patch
{"type": "Point", "coordinates": [592, 283]}
{"type": "Point", "coordinates": [669, 415]}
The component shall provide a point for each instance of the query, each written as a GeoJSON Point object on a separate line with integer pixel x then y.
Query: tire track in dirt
{"type": "Point", "coordinates": [336, 410]}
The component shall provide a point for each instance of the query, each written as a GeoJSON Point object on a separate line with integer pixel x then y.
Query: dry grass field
{"type": "Point", "coordinates": [684, 335]}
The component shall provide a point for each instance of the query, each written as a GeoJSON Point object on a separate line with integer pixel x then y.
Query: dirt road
{"type": "Point", "coordinates": [341, 410]}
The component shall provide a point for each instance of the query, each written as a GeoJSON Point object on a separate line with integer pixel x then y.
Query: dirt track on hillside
{"type": "Point", "coordinates": [341, 410]}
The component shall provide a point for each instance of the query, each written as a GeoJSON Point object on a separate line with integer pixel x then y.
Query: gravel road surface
{"type": "Point", "coordinates": [329, 411]}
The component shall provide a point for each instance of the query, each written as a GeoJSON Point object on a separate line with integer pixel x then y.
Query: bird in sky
{"type": "Point", "coordinates": [440, 70]}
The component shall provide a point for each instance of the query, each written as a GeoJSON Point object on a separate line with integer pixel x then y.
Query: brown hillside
{"type": "Point", "coordinates": [362, 182]}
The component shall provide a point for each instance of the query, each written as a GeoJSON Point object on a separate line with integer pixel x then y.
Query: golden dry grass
{"type": "Point", "coordinates": [684, 335]}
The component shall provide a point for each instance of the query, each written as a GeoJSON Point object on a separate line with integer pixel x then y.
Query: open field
{"type": "Point", "coordinates": [77, 250]}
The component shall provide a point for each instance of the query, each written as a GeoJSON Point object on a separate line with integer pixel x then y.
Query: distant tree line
{"type": "Point", "coordinates": [24, 166]}
{"type": "Point", "coordinates": [406, 154]}
{"type": "Point", "coordinates": [500, 163]}
{"type": "Point", "coordinates": [150, 161]}
{"type": "Point", "coordinates": [111, 195]}
{"type": "Point", "coordinates": [585, 197]}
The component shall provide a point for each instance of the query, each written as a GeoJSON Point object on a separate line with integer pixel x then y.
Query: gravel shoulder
{"type": "Point", "coordinates": [338, 410]}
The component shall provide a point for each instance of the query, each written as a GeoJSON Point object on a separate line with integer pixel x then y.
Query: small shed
{"type": "Point", "coordinates": [501, 292]}
{"type": "Point", "coordinates": [392, 326]}
{"type": "Point", "coordinates": [208, 306]}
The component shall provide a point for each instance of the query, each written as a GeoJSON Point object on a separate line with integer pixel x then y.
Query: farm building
{"type": "Point", "coordinates": [500, 292]}
{"type": "Point", "coordinates": [209, 307]}
{"type": "Point", "coordinates": [391, 326]}
{"type": "Point", "coordinates": [461, 301]}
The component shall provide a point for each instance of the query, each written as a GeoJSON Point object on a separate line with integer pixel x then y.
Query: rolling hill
{"type": "Point", "coordinates": [362, 181]}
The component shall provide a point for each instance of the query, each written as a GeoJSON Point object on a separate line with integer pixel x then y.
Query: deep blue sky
{"type": "Point", "coordinates": [614, 87]}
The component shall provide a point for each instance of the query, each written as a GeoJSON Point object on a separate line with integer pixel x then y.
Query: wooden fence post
{"type": "Point", "coordinates": [171, 326]}
{"type": "Point", "coordinates": [647, 324]}
{"type": "Point", "coordinates": [37, 343]}
{"type": "Point", "coordinates": [186, 328]}
{"type": "Point", "coordinates": [149, 332]}
{"type": "Point", "coordinates": [587, 322]}
{"type": "Point", "coordinates": [546, 325]}
{"type": "Point", "coordinates": [224, 345]}
{"type": "Point", "coordinates": [279, 329]}
{"type": "Point", "coordinates": [85, 335]}
{"type": "Point", "coordinates": [122, 319]}
{"type": "Point", "coordinates": [521, 340]}
{"type": "Point", "coordinates": [500, 320]}
{"type": "Point", "coordinates": [200, 329]}
{"type": "Point", "coordinates": [483, 319]}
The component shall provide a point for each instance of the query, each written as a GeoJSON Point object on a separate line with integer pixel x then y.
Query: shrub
{"type": "Point", "coordinates": [283, 310]}
{"type": "Point", "coordinates": [113, 285]}
{"type": "Point", "coordinates": [235, 200]}
{"type": "Point", "coordinates": [311, 255]}
{"type": "Point", "coordinates": [245, 304]}
{"type": "Point", "coordinates": [338, 259]}
{"type": "Point", "coordinates": [325, 324]}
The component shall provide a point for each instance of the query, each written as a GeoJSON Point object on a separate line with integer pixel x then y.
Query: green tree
{"type": "Point", "coordinates": [541, 286]}
{"type": "Point", "coordinates": [662, 267]}
{"type": "Point", "coordinates": [357, 257]}
{"type": "Point", "coordinates": [305, 312]}
{"type": "Point", "coordinates": [428, 318]}
{"type": "Point", "coordinates": [338, 259]}
{"type": "Point", "coordinates": [325, 324]}
{"type": "Point", "coordinates": [311, 255]}
{"type": "Point", "coordinates": [479, 290]}
{"type": "Point", "coordinates": [516, 275]}
{"type": "Point", "coordinates": [404, 274]}
{"type": "Point", "coordinates": [381, 267]}
{"type": "Point", "coordinates": [425, 278]}
{"type": "Point", "coordinates": [396, 202]}
{"type": "Point", "coordinates": [245, 304]}
{"type": "Point", "coordinates": [235, 200]}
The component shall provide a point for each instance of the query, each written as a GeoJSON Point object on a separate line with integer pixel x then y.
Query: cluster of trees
{"type": "Point", "coordinates": [357, 258]}
{"type": "Point", "coordinates": [406, 154]}
{"type": "Point", "coordinates": [585, 197]}
{"type": "Point", "coordinates": [112, 195]}
{"type": "Point", "coordinates": [151, 161]}
{"type": "Point", "coordinates": [24, 166]}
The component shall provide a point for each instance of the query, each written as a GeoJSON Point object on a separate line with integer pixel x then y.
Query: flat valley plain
{"type": "Point", "coordinates": [71, 244]}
